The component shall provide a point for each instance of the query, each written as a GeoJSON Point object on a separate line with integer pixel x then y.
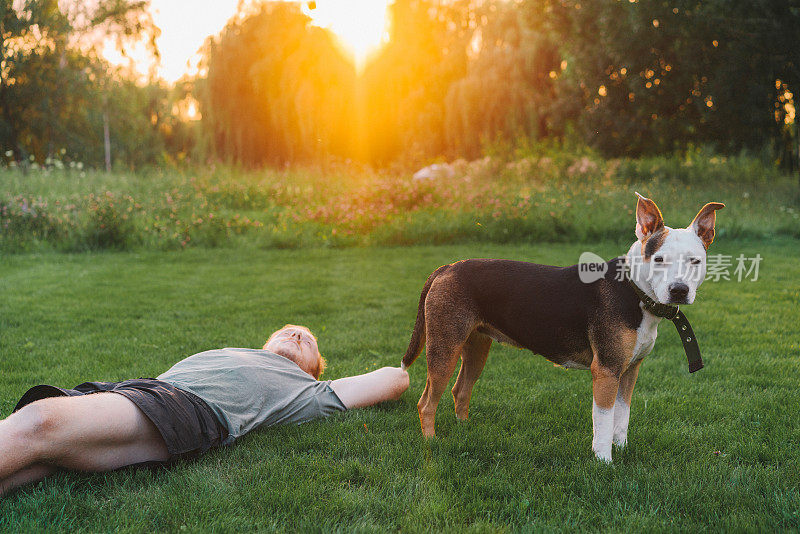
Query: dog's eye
{"type": "Point", "coordinates": [658, 259]}
{"type": "Point", "coordinates": [695, 261]}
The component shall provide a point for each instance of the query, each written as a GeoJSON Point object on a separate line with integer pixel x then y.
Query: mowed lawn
{"type": "Point", "coordinates": [719, 449]}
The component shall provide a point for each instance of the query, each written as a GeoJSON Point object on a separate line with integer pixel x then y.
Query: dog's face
{"type": "Point", "coordinates": [671, 262]}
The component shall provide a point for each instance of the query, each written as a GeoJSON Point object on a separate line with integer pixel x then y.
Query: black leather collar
{"type": "Point", "coordinates": [665, 311]}
{"type": "Point", "coordinates": [674, 314]}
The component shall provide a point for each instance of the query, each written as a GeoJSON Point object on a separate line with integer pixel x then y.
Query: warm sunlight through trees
{"type": "Point", "coordinates": [360, 25]}
{"type": "Point", "coordinates": [279, 90]}
{"type": "Point", "coordinates": [288, 82]}
{"type": "Point", "coordinates": [456, 76]}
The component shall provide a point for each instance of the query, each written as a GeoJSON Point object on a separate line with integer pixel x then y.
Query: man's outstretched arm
{"type": "Point", "coordinates": [384, 384]}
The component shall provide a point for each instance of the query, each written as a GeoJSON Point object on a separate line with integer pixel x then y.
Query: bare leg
{"type": "Point", "coordinates": [98, 432]}
{"type": "Point", "coordinates": [30, 474]}
{"type": "Point", "coordinates": [473, 358]}
{"type": "Point", "coordinates": [15, 452]}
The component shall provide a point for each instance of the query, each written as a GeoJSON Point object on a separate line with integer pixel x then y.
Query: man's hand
{"type": "Point", "coordinates": [387, 383]}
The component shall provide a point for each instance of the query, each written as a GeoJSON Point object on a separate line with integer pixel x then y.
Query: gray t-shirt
{"type": "Point", "coordinates": [249, 388]}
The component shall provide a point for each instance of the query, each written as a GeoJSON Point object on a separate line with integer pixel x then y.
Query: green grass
{"type": "Point", "coordinates": [717, 450]}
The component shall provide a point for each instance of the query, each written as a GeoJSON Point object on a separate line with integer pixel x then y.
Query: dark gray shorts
{"type": "Point", "coordinates": [185, 421]}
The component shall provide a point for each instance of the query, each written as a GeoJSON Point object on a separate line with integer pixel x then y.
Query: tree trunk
{"type": "Point", "coordinates": [107, 141]}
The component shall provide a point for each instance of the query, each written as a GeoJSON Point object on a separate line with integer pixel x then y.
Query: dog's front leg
{"type": "Point", "coordinates": [603, 426]}
{"type": "Point", "coordinates": [605, 385]}
{"type": "Point", "coordinates": [622, 416]}
{"type": "Point", "coordinates": [622, 404]}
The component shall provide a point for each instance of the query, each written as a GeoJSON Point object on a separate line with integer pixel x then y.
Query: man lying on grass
{"type": "Point", "coordinates": [204, 401]}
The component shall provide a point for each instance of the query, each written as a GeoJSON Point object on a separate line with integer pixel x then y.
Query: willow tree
{"type": "Point", "coordinates": [508, 91]}
{"type": "Point", "coordinates": [456, 75]}
{"type": "Point", "coordinates": [406, 83]}
{"type": "Point", "coordinates": [278, 89]}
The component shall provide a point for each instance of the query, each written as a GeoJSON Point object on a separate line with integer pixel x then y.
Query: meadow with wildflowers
{"type": "Point", "coordinates": [551, 196]}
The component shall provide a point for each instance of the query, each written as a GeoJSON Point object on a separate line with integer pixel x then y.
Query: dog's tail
{"type": "Point", "coordinates": [418, 335]}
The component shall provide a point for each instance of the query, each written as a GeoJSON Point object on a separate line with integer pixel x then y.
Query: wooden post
{"type": "Point", "coordinates": [107, 141]}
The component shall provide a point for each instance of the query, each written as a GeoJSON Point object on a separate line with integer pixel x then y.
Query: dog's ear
{"type": "Point", "coordinates": [703, 223]}
{"type": "Point", "coordinates": [648, 217]}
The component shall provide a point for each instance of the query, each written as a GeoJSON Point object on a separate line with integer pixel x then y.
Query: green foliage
{"type": "Point", "coordinates": [109, 225]}
{"type": "Point", "coordinates": [456, 76]}
{"type": "Point", "coordinates": [29, 219]}
{"type": "Point", "coordinates": [56, 92]}
{"type": "Point", "coordinates": [651, 77]}
{"type": "Point", "coordinates": [507, 92]}
{"type": "Point", "coordinates": [712, 451]}
{"type": "Point", "coordinates": [540, 194]}
{"type": "Point", "coordinates": [405, 84]}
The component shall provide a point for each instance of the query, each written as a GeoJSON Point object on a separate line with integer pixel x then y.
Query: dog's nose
{"type": "Point", "coordinates": [678, 291]}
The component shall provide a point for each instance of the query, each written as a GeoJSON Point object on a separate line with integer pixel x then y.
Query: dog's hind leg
{"type": "Point", "coordinates": [473, 358]}
{"type": "Point", "coordinates": [449, 321]}
{"type": "Point", "coordinates": [438, 376]}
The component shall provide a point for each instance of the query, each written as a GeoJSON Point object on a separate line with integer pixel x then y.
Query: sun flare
{"type": "Point", "coordinates": [360, 25]}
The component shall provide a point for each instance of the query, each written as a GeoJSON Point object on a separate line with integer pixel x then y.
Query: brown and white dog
{"type": "Point", "coordinates": [601, 326]}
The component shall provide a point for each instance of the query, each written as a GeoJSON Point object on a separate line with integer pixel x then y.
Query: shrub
{"type": "Point", "coordinates": [108, 222]}
{"type": "Point", "coordinates": [544, 195]}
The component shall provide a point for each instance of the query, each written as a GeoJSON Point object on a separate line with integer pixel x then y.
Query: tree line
{"type": "Point", "coordinates": [455, 77]}
{"type": "Point", "coordinates": [58, 96]}
{"type": "Point", "coordinates": [628, 78]}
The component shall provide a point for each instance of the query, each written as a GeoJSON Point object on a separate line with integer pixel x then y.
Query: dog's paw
{"type": "Point", "coordinates": [603, 457]}
{"type": "Point", "coordinates": [603, 454]}
{"type": "Point", "coordinates": [621, 440]}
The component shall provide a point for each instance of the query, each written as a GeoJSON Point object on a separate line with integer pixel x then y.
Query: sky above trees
{"type": "Point", "coordinates": [185, 25]}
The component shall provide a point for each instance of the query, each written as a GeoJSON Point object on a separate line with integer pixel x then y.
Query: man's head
{"type": "Point", "coordinates": [672, 262]}
{"type": "Point", "coordinates": [299, 345]}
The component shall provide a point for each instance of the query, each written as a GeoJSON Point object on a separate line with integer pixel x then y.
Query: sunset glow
{"type": "Point", "coordinates": [360, 25]}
